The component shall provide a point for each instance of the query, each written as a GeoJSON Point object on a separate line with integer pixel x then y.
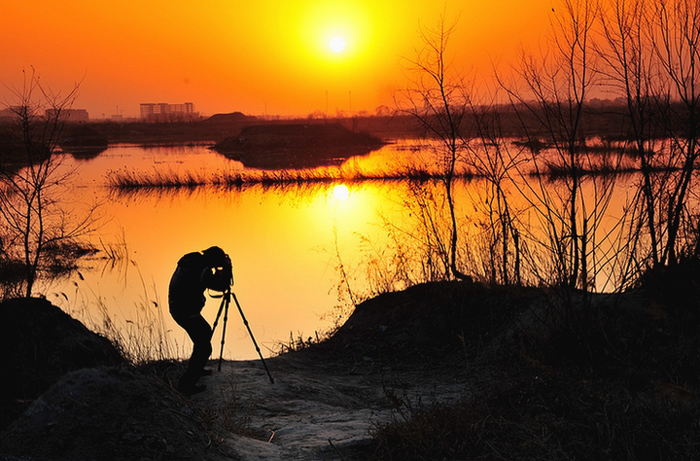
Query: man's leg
{"type": "Point", "coordinates": [200, 333]}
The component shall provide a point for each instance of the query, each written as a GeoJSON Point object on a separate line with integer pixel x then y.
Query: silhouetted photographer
{"type": "Point", "coordinates": [196, 273]}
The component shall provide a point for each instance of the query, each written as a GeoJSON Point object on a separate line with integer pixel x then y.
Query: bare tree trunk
{"type": "Point", "coordinates": [677, 47]}
{"type": "Point", "coordinates": [552, 101]}
{"type": "Point", "coordinates": [437, 100]}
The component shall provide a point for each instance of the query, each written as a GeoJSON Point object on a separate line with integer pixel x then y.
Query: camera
{"type": "Point", "coordinates": [227, 270]}
{"type": "Point", "coordinates": [222, 276]}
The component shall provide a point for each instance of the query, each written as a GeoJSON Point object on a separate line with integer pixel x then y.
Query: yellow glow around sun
{"type": "Point", "coordinates": [337, 44]}
{"type": "Point", "coordinates": [336, 33]}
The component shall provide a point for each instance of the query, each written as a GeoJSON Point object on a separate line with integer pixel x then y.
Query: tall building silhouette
{"type": "Point", "coordinates": [164, 112]}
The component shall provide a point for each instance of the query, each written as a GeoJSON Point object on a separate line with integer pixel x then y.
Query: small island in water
{"type": "Point", "coordinates": [296, 145]}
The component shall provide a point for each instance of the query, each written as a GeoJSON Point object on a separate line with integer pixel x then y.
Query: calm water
{"type": "Point", "coordinates": [285, 244]}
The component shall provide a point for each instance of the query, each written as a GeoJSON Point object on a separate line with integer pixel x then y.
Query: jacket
{"type": "Point", "coordinates": [187, 285]}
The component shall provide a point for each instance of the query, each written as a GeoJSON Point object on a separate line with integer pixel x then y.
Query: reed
{"type": "Point", "coordinates": [126, 180]}
{"type": "Point", "coordinates": [142, 337]}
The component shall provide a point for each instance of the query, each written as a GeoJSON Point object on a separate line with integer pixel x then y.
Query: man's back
{"type": "Point", "coordinates": [186, 289]}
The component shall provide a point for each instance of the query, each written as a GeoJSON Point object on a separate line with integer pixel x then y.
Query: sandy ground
{"type": "Point", "coordinates": [310, 412]}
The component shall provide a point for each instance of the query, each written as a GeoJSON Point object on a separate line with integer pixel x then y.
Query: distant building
{"type": "Point", "coordinates": [164, 112]}
{"type": "Point", "coordinates": [69, 115]}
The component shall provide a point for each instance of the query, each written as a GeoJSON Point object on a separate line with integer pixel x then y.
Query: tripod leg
{"type": "Point", "coordinates": [245, 322]}
{"type": "Point", "coordinates": [218, 314]}
{"type": "Point", "coordinates": [225, 302]}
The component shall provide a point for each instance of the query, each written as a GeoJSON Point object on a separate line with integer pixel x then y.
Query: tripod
{"type": "Point", "coordinates": [224, 307]}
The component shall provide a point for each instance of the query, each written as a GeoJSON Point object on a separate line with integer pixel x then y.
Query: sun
{"type": "Point", "coordinates": [337, 44]}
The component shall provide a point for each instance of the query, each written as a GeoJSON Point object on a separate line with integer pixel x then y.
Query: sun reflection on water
{"type": "Point", "coordinates": [341, 192]}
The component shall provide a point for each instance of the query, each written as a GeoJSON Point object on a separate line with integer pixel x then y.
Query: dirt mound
{"type": "Point", "coordinates": [293, 137]}
{"type": "Point", "coordinates": [96, 406]}
{"type": "Point", "coordinates": [232, 117]}
{"type": "Point", "coordinates": [109, 413]}
{"type": "Point", "coordinates": [39, 344]}
{"type": "Point", "coordinates": [296, 145]}
{"type": "Point", "coordinates": [430, 320]}
{"type": "Point", "coordinates": [82, 141]}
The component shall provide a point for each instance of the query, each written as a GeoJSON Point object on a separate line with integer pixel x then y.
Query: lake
{"type": "Point", "coordinates": [295, 249]}
{"type": "Point", "coordinates": [285, 246]}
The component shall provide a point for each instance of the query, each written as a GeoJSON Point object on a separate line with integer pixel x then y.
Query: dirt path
{"type": "Point", "coordinates": [310, 412]}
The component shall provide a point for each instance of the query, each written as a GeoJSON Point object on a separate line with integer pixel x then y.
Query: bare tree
{"type": "Point", "coordinates": [550, 103]}
{"type": "Point", "coordinates": [35, 223]}
{"type": "Point", "coordinates": [438, 100]}
{"type": "Point", "coordinates": [676, 39]}
{"type": "Point", "coordinates": [652, 54]}
{"type": "Point", "coordinates": [628, 63]}
{"type": "Point", "coordinates": [494, 162]}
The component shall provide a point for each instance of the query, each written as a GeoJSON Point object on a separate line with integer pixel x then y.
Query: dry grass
{"type": "Point", "coordinates": [621, 382]}
{"type": "Point", "coordinates": [126, 181]}
{"type": "Point", "coordinates": [142, 338]}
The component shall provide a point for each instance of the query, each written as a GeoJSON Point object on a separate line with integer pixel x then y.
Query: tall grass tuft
{"type": "Point", "coordinates": [142, 338]}
{"type": "Point", "coordinates": [130, 181]}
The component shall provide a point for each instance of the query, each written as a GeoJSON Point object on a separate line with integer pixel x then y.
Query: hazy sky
{"type": "Point", "coordinates": [253, 56]}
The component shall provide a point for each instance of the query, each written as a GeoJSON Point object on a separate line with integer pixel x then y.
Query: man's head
{"type": "Point", "coordinates": [221, 276]}
{"type": "Point", "coordinates": [215, 257]}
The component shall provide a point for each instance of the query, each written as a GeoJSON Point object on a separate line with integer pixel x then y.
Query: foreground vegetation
{"type": "Point", "coordinates": [546, 374]}
{"type": "Point", "coordinates": [539, 374]}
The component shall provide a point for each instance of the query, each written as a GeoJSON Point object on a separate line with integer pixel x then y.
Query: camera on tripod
{"type": "Point", "coordinates": [222, 276]}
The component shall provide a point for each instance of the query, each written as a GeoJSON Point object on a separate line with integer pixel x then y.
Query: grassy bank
{"type": "Point", "coordinates": [544, 377]}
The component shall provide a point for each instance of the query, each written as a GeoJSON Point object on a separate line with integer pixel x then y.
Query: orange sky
{"type": "Point", "coordinates": [256, 56]}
